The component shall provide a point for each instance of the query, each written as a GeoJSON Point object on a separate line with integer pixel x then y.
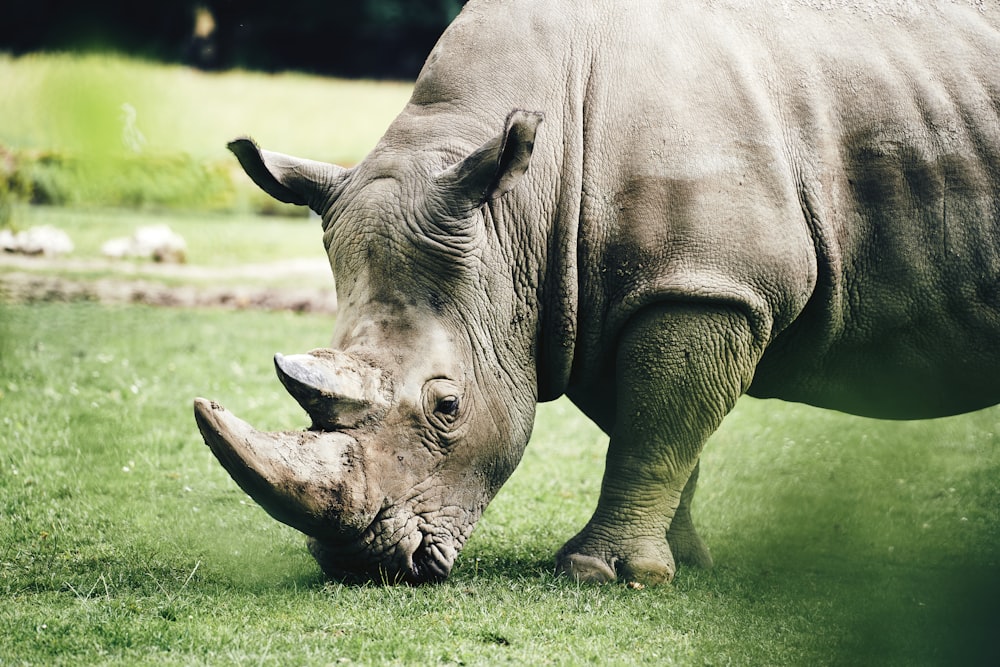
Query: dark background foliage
{"type": "Point", "coordinates": [370, 38]}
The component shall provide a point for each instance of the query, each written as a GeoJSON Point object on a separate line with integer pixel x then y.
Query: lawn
{"type": "Point", "coordinates": [838, 540]}
{"type": "Point", "coordinates": [219, 240]}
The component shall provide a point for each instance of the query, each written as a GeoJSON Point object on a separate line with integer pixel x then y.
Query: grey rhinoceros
{"type": "Point", "coordinates": [795, 199]}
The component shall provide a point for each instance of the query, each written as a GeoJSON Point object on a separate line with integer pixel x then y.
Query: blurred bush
{"type": "Point", "coordinates": [146, 182]}
{"type": "Point", "coordinates": [106, 131]}
{"type": "Point", "coordinates": [127, 181]}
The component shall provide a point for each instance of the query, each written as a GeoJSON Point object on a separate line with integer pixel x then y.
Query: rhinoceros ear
{"type": "Point", "coordinates": [494, 168]}
{"type": "Point", "coordinates": [289, 179]}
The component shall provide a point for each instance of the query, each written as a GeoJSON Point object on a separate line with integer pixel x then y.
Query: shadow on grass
{"type": "Point", "coordinates": [945, 616]}
{"type": "Point", "coordinates": [494, 569]}
{"type": "Point", "coordinates": [885, 585]}
{"type": "Point", "coordinates": [505, 565]}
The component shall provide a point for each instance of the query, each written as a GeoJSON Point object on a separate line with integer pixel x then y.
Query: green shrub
{"type": "Point", "coordinates": [147, 182]}
{"type": "Point", "coordinates": [176, 181]}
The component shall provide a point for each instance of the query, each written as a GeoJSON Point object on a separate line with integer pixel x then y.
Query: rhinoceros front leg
{"type": "Point", "coordinates": [679, 370]}
{"type": "Point", "coordinates": [683, 539]}
{"type": "Point", "coordinates": [685, 542]}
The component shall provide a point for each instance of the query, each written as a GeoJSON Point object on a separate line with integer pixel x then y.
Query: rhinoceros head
{"type": "Point", "coordinates": [423, 405]}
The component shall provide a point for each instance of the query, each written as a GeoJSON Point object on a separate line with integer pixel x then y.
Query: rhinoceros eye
{"type": "Point", "coordinates": [443, 407]}
{"type": "Point", "coordinates": [447, 406]}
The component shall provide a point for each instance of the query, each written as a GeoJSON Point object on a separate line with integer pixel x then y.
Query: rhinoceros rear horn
{"type": "Point", "coordinates": [494, 168]}
{"type": "Point", "coordinates": [288, 179]}
{"type": "Point", "coordinates": [335, 389]}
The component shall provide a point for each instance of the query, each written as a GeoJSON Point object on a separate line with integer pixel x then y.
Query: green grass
{"type": "Point", "coordinates": [838, 540]}
{"type": "Point", "coordinates": [218, 247]}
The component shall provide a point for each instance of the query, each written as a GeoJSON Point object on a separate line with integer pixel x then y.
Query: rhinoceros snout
{"type": "Point", "coordinates": [309, 480]}
{"type": "Point", "coordinates": [352, 563]}
{"type": "Point", "coordinates": [433, 562]}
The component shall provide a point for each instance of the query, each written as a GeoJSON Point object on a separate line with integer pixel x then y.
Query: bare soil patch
{"type": "Point", "coordinates": [31, 279]}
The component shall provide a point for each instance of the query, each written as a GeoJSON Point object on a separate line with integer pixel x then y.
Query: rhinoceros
{"type": "Point", "coordinates": [652, 208]}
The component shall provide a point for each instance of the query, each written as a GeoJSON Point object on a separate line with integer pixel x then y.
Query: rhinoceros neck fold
{"type": "Point", "coordinates": [559, 286]}
{"type": "Point", "coordinates": [558, 300]}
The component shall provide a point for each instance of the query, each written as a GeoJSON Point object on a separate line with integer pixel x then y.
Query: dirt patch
{"type": "Point", "coordinates": [31, 279]}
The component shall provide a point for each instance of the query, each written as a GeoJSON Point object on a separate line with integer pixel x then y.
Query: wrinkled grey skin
{"type": "Point", "coordinates": [798, 201]}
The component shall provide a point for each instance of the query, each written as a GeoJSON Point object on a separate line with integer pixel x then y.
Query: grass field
{"type": "Point", "coordinates": [838, 540]}
{"type": "Point", "coordinates": [220, 240]}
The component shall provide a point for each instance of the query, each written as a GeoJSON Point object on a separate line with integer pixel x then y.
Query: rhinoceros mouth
{"type": "Point", "coordinates": [394, 550]}
{"type": "Point", "coordinates": [432, 562]}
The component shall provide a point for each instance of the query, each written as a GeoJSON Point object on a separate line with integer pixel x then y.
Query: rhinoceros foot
{"type": "Point", "coordinates": [592, 559]}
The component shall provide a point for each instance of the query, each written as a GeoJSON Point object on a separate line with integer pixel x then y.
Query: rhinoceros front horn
{"type": "Point", "coordinates": [308, 480]}
{"type": "Point", "coordinates": [335, 389]}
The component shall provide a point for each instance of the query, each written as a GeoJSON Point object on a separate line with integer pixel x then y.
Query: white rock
{"type": "Point", "coordinates": [160, 243]}
{"type": "Point", "coordinates": [156, 242]}
{"type": "Point", "coordinates": [116, 248]}
{"type": "Point", "coordinates": [44, 240]}
{"type": "Point", "coordinates": [7, 243]}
